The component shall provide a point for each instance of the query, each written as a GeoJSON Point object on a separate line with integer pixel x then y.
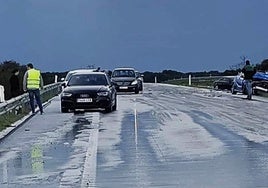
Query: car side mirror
{"type": "Point", "coordinates": [63, 84]}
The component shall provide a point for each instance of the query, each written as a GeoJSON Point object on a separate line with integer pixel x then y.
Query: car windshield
{"type": "Point", "coordinates": [123, 73]}
{"type": "Point", "coordinates": [77, 71]}
{"type": "Point", "coordinates": [69, 75]}
{"type": "Point", "coordinates": [87, 80]}
{"type": "Point", "coordinates": [225, 80]}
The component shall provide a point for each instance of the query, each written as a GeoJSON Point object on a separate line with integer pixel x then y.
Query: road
{"type": "Point", "coordinates": [168, 136]}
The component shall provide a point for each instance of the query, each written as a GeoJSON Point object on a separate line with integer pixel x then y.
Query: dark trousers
{"type": "Point", "coordinates": [35, 94]}
{"type": "Point", "coordinates": [248, 88]}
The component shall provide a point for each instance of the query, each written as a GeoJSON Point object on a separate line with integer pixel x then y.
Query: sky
{"type": "Point", "coordinates": [149, 35]}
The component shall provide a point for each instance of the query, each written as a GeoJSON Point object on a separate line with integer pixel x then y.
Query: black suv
{"type": "Point", "coordinates": [223, 83]}
{"type": "Point", "coordinates": [91, 90]}
{"type": "Point", "coordinates": [126, 80]}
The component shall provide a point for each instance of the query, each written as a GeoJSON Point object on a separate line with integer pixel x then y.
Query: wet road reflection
{"type": "Point", "coordinates": [191, 157]}
{"type": "Point", "coordinates": [244, 164]}
{"type": "Point", "coordinates": [35, 161]}
{"type": "Point", "coordinates": [167, 137]}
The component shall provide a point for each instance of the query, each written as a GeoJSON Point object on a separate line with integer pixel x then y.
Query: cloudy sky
{"type": "Point", "coordinates": [150, 35]}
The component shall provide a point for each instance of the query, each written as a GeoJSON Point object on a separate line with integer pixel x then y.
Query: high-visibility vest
{"type": "Point", "coordinates": [33, 79]}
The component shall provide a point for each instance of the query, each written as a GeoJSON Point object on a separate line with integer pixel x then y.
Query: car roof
{"type": "Point", "coordinates": [82, 70]}
{"type": "Point", "coordinates": [124, 68]}
{"type": "Point", "coordinates": [86, 73]}
{"type": "Point", "coordinates": [77, 71]}
{"type": "Point", "coordinates": [224, 78]}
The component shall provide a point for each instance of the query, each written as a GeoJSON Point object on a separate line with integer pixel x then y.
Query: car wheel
{"type": "Point", "coordinates": [64, 110]}
{"type": "Point", "coordinates": [115, 105]}
{"type": "Point", "coordinates": [216, 87]}
{"type": "Point", "coordinates": [233, 90]}
{"type": "Point", "coordinates": [244, 91]}
{"type": "Point", "coordinates": [137, 90]}
{"type": "Point", "coordinates": [141, 87]}
{"type": "Point", "coordinates": [255, 92]}
{"type": "Point", "coordinates": [108, 109]}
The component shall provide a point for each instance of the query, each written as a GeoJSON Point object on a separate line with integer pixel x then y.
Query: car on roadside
{"type": "Point", "coordinates": [89, 90]}
{"type": "Point", "coordinates": [125, 80]}
{"type": "Point", "coordinates": [238, 85]}
{"type": "Point", "coordinates": [224, 83]}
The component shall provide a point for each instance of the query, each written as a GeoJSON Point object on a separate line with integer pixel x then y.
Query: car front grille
{"type": "Point", "coordinates": [84, 95]}
{"type": "Point", "coordinates": [123, 83]}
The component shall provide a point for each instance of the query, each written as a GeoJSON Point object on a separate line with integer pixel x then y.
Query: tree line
{"type": "Point", "coordinates": [7, 67]}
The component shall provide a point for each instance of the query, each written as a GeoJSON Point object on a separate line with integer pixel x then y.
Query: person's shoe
{"type": "Point", "coordinates": [41, 113]}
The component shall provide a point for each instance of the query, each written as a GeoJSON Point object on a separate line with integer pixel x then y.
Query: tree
{"type": "Point", "coordinates": [264, 65]}
{"type": "Point", "coordinates": [6, 69]}
{"type": "Point", "coordinates": [239, 65]}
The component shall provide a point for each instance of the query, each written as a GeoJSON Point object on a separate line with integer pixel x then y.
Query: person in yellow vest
{"type": "Point", "coordinates": [32, 83]}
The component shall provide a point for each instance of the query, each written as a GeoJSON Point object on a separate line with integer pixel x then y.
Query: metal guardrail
{"type": "Point", "coordinates": [20, 104]}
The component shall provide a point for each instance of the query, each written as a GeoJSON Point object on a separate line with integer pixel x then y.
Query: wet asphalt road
{"type": "Point", "coordinates": [164, 137]}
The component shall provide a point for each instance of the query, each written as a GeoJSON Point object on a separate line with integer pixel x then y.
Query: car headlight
{"type": "Point", "coordinates": [135, 82]}
{"type": "Point", "coordinates": [66, 94]}
{"type": "Point", "coordinates": [103, 93]}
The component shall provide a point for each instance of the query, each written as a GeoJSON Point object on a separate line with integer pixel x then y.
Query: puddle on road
{"type": "Point", "coordinates": [40, 160]}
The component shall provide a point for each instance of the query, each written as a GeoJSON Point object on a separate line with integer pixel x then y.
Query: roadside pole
{"type": "Point", "coordinates": [2, 94]}
{"type": "Point", "coordinates": [56, 79]}
{"type": "Point", "coordinates": [190, 80]}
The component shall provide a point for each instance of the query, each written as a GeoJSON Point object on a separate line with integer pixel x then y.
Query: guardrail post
{"type": "Point", "coordinates": [2, 93]}
{"type": "Point", "coordinates": [56, 78]}
{"type": "Point", "coordinates": [190, 79]}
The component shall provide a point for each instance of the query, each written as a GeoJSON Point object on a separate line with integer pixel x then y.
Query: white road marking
{"type": "Point", "coordinates": [90, 165]}
{"type": "Point", "coordinates": [82, 163]}
{"type": "Point", "coordinates": [135, 123]}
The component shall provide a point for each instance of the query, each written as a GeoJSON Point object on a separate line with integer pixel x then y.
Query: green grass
{"type": "Point", "coordinates": [7, 119]}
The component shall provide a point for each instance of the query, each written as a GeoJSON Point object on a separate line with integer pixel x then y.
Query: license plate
{"type": "Point", "coordinates": [84, 100]}
{"type": "Point", "coordinates": [123, 87]}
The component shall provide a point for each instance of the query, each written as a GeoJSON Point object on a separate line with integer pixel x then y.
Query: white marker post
{"type": "Point", "coordinates": [2, 93]}
{"type": "Point", "coordinates": [56, 79]}
{"type": "Point", "coordinates": [190, 80]}
{"type": "Point", "coordinates": [135, 123]}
